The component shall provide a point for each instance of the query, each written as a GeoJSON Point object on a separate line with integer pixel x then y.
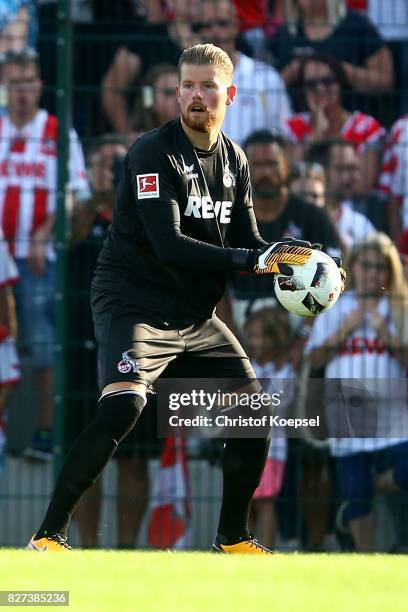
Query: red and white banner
{"type": "Point", "coordinates": [170, 515]}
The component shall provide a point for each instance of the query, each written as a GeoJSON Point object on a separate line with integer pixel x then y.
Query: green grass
{"type": "Point", "coordinates": [190, 582]}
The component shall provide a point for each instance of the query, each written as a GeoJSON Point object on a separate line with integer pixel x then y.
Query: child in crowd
{"type": "Point", "coordinates": [267, 335]}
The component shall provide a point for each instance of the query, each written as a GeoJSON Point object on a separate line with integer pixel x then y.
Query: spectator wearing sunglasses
{"type": "Point", "coordinates": [323, 82]}
{"type": "Point", "coordinates": [263, 102]}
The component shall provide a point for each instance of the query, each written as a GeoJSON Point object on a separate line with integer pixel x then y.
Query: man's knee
{"type": "Point", "coordinates": [119, 410]}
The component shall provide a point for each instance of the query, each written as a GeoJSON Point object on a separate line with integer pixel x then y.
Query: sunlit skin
{"type": "Point", "coordinates": [203, 94]}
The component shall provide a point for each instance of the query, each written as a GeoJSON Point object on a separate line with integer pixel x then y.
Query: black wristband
{"type": "Point", "coordinates": [243, 259]}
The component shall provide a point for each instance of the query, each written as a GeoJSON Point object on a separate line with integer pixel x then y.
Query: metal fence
{"type": "Point", "coordinates": [74, 57]}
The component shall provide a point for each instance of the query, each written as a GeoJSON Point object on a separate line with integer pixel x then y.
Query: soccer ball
{"type": "Point", "coordinates": [314, 287]}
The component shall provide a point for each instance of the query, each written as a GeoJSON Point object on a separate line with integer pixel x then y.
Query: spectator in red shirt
{"type": "Point", "coordinates": [323, 82]}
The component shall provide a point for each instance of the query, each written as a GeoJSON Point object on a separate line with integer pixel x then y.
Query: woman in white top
{"type": "Point", "coordinates": [364, 338]}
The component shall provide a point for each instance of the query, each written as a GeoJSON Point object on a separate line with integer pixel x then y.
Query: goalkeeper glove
{"type": "Point", "coordinates": [339, 262]}
{"type": "Point", "coordinates": [279, 256]}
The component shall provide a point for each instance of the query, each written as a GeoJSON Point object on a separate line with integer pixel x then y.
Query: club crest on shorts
{"type": "Point", "coordinates": [147, 186]}
{"type": "Point", "coordinates": [127, 364]}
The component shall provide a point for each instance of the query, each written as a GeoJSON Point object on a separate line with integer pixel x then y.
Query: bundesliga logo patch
{"type": "Point", "coordinates": [147, 186]}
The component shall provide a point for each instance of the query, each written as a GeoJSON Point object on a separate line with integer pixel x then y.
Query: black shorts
{"type": "Point", "coordinates": [133, 349]}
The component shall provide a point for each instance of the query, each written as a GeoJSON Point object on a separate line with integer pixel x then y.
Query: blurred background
{"type": "Point", "coordinates": [322, 114]}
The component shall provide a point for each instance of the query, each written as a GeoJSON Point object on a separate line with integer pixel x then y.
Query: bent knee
{"type": "Point", "coordinates": [137, 387]}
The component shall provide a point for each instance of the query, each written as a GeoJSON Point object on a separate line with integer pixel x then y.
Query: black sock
{"type": "Point", "coordinates": [117, 415]}
{"type": "Point", "coordinates": [243, 464]}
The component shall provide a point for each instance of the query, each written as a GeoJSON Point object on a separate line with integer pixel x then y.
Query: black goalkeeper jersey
{"type": "Point", "coordinates": [181, 219]}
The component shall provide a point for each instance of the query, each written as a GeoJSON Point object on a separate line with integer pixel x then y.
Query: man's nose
{"type": "Point", "coordinates": [197, 93]}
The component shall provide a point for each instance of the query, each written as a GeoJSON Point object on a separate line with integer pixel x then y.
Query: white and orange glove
{"type": "Point", "coordinates": [276, 258]}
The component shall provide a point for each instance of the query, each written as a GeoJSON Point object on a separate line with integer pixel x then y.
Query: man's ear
{"type": "Point", "coordinates": [231, 94]}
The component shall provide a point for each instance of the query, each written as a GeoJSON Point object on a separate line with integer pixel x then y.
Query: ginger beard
{"type": "Point", "coordinates": [202, 121]}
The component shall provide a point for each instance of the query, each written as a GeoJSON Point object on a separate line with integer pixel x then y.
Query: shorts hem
{"type": "Point", "coordinates": [149, 386]}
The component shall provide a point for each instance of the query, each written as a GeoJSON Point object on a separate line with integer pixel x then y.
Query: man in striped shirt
{"type": "Point", "coordinates": [28, 184]}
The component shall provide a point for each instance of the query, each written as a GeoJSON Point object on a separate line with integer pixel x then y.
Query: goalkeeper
{"type": "Point", "coordinates": [183, 220]}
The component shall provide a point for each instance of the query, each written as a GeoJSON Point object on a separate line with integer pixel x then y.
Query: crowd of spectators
{"type": "Point", "coordinates": [321, 114]}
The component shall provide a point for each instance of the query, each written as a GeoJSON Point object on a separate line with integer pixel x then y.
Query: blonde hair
{"type": "Point", "coordinates": [335, 9]}
{"type": "Point", "coordinates": [202, 55]}
{"type": "Point", "coordinates": [397, 288]}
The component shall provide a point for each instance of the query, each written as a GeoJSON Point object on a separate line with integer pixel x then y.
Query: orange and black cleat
{"type": "Point", "coordinates": [246, 546]}
{"type": "Point", "coordinates": [54, 543]}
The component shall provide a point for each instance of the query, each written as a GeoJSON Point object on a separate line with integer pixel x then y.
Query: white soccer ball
{"type": "Point", "coordinates": [314, 287]}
